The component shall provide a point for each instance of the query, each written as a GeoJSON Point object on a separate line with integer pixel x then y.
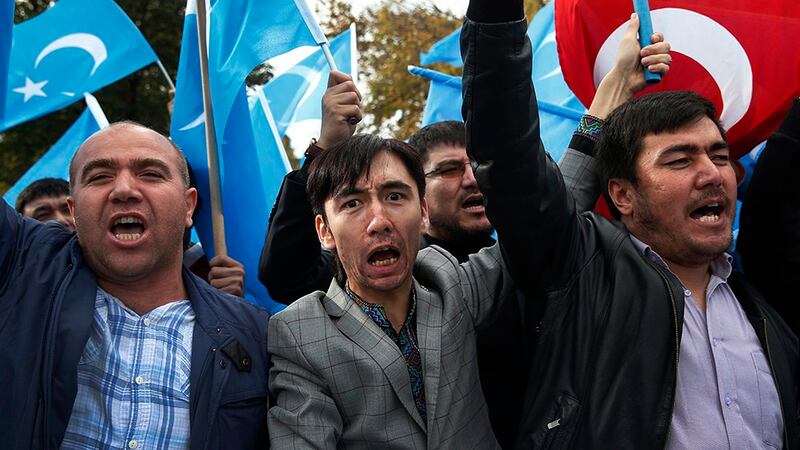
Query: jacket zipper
{"type": "Point", "coordinates": [777, 385]}
{"type": "Point", "coordinates": [52, 326]}
{"type": "Point", "coordinates": [677, 340]}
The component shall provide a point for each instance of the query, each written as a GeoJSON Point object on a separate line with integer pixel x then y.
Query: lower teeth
{"type": "Point", "coordinates": [128, 236]}
{"type": "Point", "coordinates": [711, 218]}
{"type": "Point", "coordinates": [384, 262]}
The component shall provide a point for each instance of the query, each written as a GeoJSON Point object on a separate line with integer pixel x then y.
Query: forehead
{"type": "Point", "coordinates": [385, 166]}
{"type": "Point", "coordinates": [126, 143]}
{"type": "Point", "coordinates": [700, 134]}
{"type": "Point", "coordinates": [442, 152]}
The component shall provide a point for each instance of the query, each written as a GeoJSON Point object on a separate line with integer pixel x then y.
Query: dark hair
{"type": "Point", "coordinates": [341, 166]}
{"type": "Point", "coordinates": [46, 187]}
{"type": "Point", "coordinates": [450, 132]}
{"type": "Point", "coordinates": [627, 126]}
{"type": "Point", "coordinates": [183, 169]}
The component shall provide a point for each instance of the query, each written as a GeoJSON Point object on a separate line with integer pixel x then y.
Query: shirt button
{"type": "Point", "coordinates": [714, 342]}
{"type": "Point", "coordinates": [139, 379]}
{"type": "Point", "coordinates": [687, 292]}
{"type": "Point", "coordinates": [727, 401]}
{"type": "Point", "coordinates": [146, 323]}
{"type": "Point", "coordinates": [132, 444]}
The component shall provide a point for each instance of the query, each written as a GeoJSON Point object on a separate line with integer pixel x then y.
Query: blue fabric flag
{"type": "Point", "coordinates": [245, 33]}
{"type": "Point", "coordinates": [296, 94]}
{"type": "Point", "coordinates": [559, 109]}
{"type": "Point", "coordinates": [447, 50]}
{"type": "Point", "coordinates": [6, 27]}
{"type": "Point", "coordinates": [251, 165]}
{"type": "Point", "coordinates": [76, 46]}
{"type": "Point", "coordinates": [55, 163]}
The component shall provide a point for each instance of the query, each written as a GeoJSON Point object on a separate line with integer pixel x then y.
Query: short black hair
{"type": "Point", "coordinates": [341, 166]}
{"type": "Point", "coordinates": [627, 126]}
{"type": "Point", "coordinates": [45, 187]}
{"type": "Point", "coordinates": [449, 132]}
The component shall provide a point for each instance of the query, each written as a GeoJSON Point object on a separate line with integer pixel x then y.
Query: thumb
{"type": "Point", "coordinates": [633, 26]}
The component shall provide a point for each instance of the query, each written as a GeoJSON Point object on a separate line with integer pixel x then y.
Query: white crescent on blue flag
{"type": "Point", "coordinates": [559, 109]}
{"type": "Point", "coordinates": [55, 163]}
{"type": "Point", "coordinates": [252, 164]}
{"type": "Point", "coordinates": [296, 94]}
{"type": "Point", "coordinates": [244, 33]}
{"type": "Point", "coordinates": [75, 46]}
{"type": "Point", "coordinates": [6, 27]}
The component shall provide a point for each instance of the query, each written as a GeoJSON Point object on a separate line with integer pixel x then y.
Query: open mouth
{"type": "Point", "coordinates": [383, 256]}
{"type": "Point", "coordinates": [708, 214]}
{"type": "Point", "coordinates": [473, 203]}
{"type": "Point", "coordinates": [127, 228]}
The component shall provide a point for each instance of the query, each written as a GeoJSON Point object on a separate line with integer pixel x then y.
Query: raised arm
{"type": "Point", "coordinates": [526, 199]}
{"type": "Point", "coordinates": [769, 227]}
{"type": "Point", "coordinates": [619, 85]}
{"type": "Point", "coordinates": [292, 262]}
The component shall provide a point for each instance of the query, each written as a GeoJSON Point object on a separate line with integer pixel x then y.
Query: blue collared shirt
{"type": "Point", "coordinates": [133, 379]}
{"type": "Point", "coordinates": [725, 396]}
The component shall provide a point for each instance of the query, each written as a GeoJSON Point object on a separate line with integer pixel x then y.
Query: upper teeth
{"type": "Point", "coordinates": [127, 219]}
{"type": "Point", "coordinates": [713, 205]}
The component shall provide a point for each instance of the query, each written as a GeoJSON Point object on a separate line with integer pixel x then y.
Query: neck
{"type": "Point", "coordinates": [396, 302]}
{"type": "Point", "coordinates": [143, 296]}
{"type": "Point", "coordinates": [695, 278]}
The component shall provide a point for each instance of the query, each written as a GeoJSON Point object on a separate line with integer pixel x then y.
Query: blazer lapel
{"type": "Point", "coordinates": [429, 331]}
{"type": "Point", "coordinates": [365, 333]}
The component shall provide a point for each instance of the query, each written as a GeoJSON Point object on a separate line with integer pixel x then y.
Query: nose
{"type": "Point", "coordinates": [379, 222]}
{"type": "Point", "coordinates": [709, 173]}
{"type": "Point", "coordinates": [125, 188]}
{"type": "Point", "coordinates": [468, 179]}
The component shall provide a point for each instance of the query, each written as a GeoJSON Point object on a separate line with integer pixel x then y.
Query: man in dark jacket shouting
{"type": "Point", "coordinates": [648, 340]}
{"type": "Point", "coordinates": [105, 341]}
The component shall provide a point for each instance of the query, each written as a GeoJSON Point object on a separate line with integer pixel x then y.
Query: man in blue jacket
{"type": "Point", "coordinates": [105, 340]}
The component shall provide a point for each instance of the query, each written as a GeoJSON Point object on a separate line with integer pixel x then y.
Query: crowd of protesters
{"type": "Point", "coordinates": [408, 323]}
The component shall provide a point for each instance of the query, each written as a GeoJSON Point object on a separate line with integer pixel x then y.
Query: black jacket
{"type": "Point", "coordinates": [293, 264]}
{"type": "Point", "coordinates": [769, 227]}
{"type": "Point", "coordinates": [606, 359]}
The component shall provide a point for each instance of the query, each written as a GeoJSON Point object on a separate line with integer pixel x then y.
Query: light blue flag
{"type": "Point", "coordinates": [76, 46]}
{"type": "Point", "coordinates": [447, 50]}
{"type": "Point", "coordinates": [559, 109]}
{"type": "Point", "coordinates": [55, 163]}
{"type": "Point", "coordinates": [6, 27]}
{"type": "Point", "coordinates": [251, 170]}
{"type": "Point", "coordinates": [245, 33]}
{"type": "Point", "coordinates": [296, 94]}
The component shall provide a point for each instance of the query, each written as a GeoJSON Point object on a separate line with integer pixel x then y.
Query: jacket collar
{"type": "Point", "coordinates": [365, 333]}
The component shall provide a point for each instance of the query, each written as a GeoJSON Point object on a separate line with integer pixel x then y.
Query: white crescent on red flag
{"type": "Point", "coordinates": [741, 54]}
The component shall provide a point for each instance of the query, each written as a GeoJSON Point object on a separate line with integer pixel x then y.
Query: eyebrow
{"type": "Point", "coordinates": [450, 161]}
{"type": "Point", "coordinates": [353, 190]}
{"type": "Point", "coordinates": [137, 164]}
{"type": "Point", "coordinates": [688, 148]}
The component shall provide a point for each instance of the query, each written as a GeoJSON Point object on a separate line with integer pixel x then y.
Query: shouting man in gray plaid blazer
{"type": "Point", "coordinates": [387, 356]}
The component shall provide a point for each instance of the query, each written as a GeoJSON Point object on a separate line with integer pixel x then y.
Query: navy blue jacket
{"type": "Point", "coordinates": [47, 297]}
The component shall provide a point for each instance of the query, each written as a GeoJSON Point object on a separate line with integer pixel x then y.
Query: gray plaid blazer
{"type": "Point", "coordinates": [339, 381]}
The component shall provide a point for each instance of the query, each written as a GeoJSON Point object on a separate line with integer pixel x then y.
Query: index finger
{"type": "Point", "coordinates": [337, 77]}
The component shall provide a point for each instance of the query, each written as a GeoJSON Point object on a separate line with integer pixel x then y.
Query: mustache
{"type": "Point", "coordinates": [713, 192]}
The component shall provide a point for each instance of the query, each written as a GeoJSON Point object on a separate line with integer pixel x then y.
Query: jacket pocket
{"type": "Point", "coordinates": [561, 422]}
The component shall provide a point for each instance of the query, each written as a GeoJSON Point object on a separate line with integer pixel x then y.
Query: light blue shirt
{"type": "Point", "coordinates": [133, 379]}
{"type": "Point", "coordinates": [725, 396]}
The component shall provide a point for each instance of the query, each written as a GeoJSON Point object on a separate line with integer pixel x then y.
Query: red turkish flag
{"type": "Point", "coordinates": [741, 54]}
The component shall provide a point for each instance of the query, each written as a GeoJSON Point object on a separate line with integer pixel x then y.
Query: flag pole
{"type": "Point", "coordinates": [328, 56]}
{"type": "Point", "coordinates": [642, 9]}
{"type": "Point", "coordinates": [166, 75]}
{"type": "Point", "coordinates": [217, 218]}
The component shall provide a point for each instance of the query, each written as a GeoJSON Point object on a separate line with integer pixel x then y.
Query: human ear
{"type": "Point", "coordinates": [324, 233]}
{"type": "Point", "coordinates": [621, 193]}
